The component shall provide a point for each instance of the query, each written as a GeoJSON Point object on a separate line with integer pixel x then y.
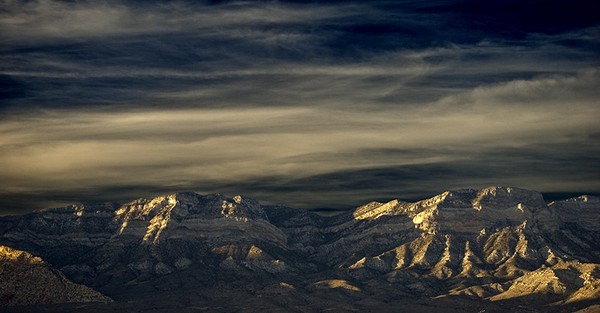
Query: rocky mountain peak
{"type": "Point", "coordinates": [188, 204]}
{"type": "Point", "coordinates": [457, 208]}
{"type": "Point", "coordinates": [503, 197]}
{"type": "Point", "coordinates": [374, 210]}
{"type": "Point", "coordinates": [154, 216]}
{"type": "Point", "coordinates": [494, 197]}
{"type": "Point", "coordinates": [8, 254]}
{"type": "Point", "coordinates": [469, 210]}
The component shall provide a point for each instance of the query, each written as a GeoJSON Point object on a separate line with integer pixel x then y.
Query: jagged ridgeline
{"type": "Point", "coordinates": [481, 249]}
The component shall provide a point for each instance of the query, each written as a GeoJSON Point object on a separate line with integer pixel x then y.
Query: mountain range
{"type": "Point", "coordinates": [494, 249]}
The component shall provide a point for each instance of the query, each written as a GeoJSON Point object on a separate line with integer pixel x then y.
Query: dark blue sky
{"type": "Point", "coordinates": [312, 104]}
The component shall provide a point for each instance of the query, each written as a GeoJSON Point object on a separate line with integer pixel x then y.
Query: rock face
{"type": "Point", "coordinates": [150, 241]}
{"type": "Point", "coordinates": [26, 279]}
{"type": "Point", "coordinates": [484, 243]}
{"type": "Point", "coordinates": [497, 244]}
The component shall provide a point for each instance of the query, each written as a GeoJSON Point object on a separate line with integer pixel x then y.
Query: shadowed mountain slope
{"type": "Point", "coordinates": [27, 279]}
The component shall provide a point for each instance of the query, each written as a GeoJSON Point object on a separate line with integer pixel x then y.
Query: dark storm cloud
{"type": "Point", "coordinates": [57, 53]}
{"type": "Point", "coordinates": [310, 104]}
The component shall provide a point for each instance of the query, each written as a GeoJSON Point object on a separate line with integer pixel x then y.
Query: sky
{"type": "Point", "coordinates": [312, 104]}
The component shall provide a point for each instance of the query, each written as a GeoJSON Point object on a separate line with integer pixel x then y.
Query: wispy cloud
{"type": "Point", "coordinates": [190, 148]}
{"type": "Point", "coordinates": [297, 103]}
{"type": "Point", "coordinates": [50, 19]}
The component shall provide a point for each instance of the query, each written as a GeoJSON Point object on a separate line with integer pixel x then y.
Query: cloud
{"type": "Point", "coordinates": [58, 150]}
{"type": "Point", "coordinates": [49, 19]}
{"type": "Point", "coordinates": [234, 73]}
{"type": "Point", "coordinates": [305, 104]}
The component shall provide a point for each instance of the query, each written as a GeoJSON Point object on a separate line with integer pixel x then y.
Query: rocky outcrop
{"type": "Point", "coordinates": [27, 279]}
{"type": "Point", "coordinates": [570, 281]}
